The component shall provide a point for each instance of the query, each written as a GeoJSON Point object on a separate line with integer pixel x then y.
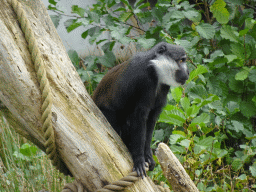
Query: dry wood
{"type": "Point", "coordinates": [174, 171]}
{"type": "Point", "coordinates": [87, 144]}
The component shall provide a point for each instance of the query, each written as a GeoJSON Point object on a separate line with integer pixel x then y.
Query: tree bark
{"type": "Point", "coordinates": [174, 171]}
{"type": "Point", "coordinates": [90, 148]}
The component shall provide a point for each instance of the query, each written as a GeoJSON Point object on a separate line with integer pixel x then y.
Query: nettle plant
{"type": "Point", "coordinates": [210, 122]}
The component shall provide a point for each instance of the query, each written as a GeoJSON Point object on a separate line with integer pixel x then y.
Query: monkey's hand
{"type": "Point", "coordinates": [149, 159]}
{"type": "Point", "coordinates": [139, 167]}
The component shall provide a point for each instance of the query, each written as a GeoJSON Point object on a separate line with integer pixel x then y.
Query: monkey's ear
{"type": "Point", "coordinates": [161, 49]}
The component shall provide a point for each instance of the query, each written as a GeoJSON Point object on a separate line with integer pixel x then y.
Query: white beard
{"type": "Point", "coordinates": [165, 69]}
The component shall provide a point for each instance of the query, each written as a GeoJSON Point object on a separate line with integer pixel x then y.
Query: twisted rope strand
{"type": "Point", "coordinates": [123, 183]}
{"type": "Point", "coordinates": [47, 128]}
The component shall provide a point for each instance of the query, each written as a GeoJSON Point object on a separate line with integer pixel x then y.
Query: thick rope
{"type": "Point", "coordinates": [121, 184]}
{"type": "Point", "coordinates": [48, 131]}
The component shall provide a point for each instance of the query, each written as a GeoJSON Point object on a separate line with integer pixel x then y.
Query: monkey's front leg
{"type": "Point", "coordinates": [152, 118]}
{"type": "Point", "coordinates": [138, 138]}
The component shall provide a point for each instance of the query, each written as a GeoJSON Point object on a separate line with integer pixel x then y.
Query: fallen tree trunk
{"type": "Point", "coordinates": [86, 143]}
{"type": "Point", "coordinates": [174, 171]}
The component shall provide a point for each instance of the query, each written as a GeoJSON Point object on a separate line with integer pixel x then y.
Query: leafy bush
{"type": "Point", "coordinates": [210, 122]}
{"type": "Point", "coordinates": [23, 167]}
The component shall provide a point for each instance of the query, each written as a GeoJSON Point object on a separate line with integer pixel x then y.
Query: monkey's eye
{"type": "Point", "coordinates": [182, 60]}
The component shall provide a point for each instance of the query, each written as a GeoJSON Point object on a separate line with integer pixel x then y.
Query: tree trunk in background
{"type": "Point", "coordinates": [173, 170]}
{"type": "Point", "coordinates": [87, 144]}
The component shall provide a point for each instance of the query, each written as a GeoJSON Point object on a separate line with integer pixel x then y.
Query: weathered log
{"type": "Point", "coordinates": [174, 171]}
{"type": "Point", "coordinates": [86, 143]}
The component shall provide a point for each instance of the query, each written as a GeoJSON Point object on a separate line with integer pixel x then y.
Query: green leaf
{"type": "Point", "coordinates": [198, 148]}
{"type": "Point", "coordinates": [227, 32]}
{"type": "Point", "coordinates": [125, 16]}
{"type": "Point", "coordinates": [120, 9]}
{"type": "Point", "coordinates": [108, 59]}
{"type": "Point", "coordinates": [91, 60]}
{"type": "Point", "coordinates": [178, 149]}
{"type": "Point", "coordinates": [253, 169]}
{"type": "Point", "coordinates": [210, 99]}
{"type": "Point", "coordinates": [237, 164]}
{"type": "Point", "coordinates": [216, 54]}
{"type": "Point", "coordinates": [243, 32]}
{"type": "Point", "coordinates": [252, 75]}
{"type": "Point", "coordinates": [254, 100]}
{"type": "Point", "coordinates": [143, 5]}
{"type": "Point", "coordinates": [249, 23]}
{"type": "Point", "coordinates": [232, 107]}
{"type": "Point", "coordinates": [85, 34]}
{"type": "Point", "coordinates": [198, 91]}
{"type": "Point", "coordinates": [73, 26]}
{"type": "Point", "coordinates": [242, 177]}
{"type": "Point", "coordinates": [94, 30]}
{"type": "Point", "coordinates": [242, 75]}
{"type": "Point", "coordinates": [185, 143]}
{"type": "Point", "coordinates": [86, 76]}
{"type": "Point", "coordinates": [171, 119]}
{"type": "Point", "coordinates": [28, 150]}
{"type": "Point", "coordinates": [206, 30]}
{"type": "Point", "coordinates": [100, 41]}
{"type": "Point", "coordinates": [199, 70]}
{"type": "Point", "coordinates": [203, 118]}
{"type": "Point", "coordinates": [56, 20]}
{"type": "Point", "coordinates": [201, 186]}
{"type": "Point", "coordinates": [53, 2]}
{"type": "Point", "coordinates": [108, 46]}
{"type": "Point", "coordinates": [235, 85]}
{"type": "Point", "coordinates": [93, 16]}
{"type": "Point", "coordinates": [127, 4]}
{"type": "Point", "coordinates": [177, 93]}
{"type": "Point", "coordinates": [224, 88]}
{"type": "Point", "coordinates": [185, 103]}
{"type": "Point", "coordinates": [159, 134]}
{"type": "Point", "coordinates": [220, 12]}
{"type": "Point", "coordinates": [138, 3]}
{"type": "Point", "coordinates": [172, 115]}
{"type": "Point", "coordinates": [231, 58]}
{"type": "Point", "coordinates": [118, 33]}
{"type": "Point", "coordinates": [146, 43]}
{"type": "Point", "coordinates": [237, 126]}
{"type": "Point", "coordinates": [109, 20]}
{"type": "Point", "coordinates": [203, 144]}
{"type": "Point", "coordinates": [74, 57]}
{"type": "Point", "coordinates": [217, 105]}
{"type": "Point", "coordinates": [248, 108]}
{"type": "Point", "coordinates": [78, 10]}
{"type": "Point", "coordinates": [175, 138]}
{"type": "Point", "coordinates": [176, 14]}
{"type": "Point", "coordinates": [206, 142]}
{"type": "Point", "coordinates": [193, 111]}
{"type": "Point", "coordinates": [239, 51]}
{"type": "Point", "coordinates": [192, 15]}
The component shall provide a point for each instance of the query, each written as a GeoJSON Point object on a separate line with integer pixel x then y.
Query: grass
{"type": "Point", "coordinates": [24, 167]}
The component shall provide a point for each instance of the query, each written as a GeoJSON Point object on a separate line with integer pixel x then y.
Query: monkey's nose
{"type": "Point", "coordinates": [181, 76]}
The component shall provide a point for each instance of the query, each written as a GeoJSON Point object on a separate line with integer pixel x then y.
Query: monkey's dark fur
{"type": "Point", "coordinates": [132, 95]}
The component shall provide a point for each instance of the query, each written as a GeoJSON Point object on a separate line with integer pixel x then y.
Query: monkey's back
{"type": "Point", "coordinates": [121, 87]}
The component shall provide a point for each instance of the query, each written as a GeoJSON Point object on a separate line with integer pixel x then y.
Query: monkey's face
{"type": "Point", "coordinates": [182, 72]}
{"type": "Point", "coordinates": [171, 72]}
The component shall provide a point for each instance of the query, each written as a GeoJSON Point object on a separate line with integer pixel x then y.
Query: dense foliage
{"type": "Point", "coordinates": [24, 167]}
{"type": "Point", "coordinates": [210, 122]}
